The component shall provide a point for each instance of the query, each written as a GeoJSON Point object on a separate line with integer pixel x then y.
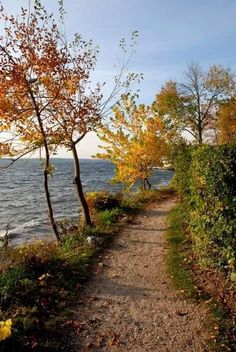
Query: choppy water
{"type": "Point", "coordinates": [23, 204]}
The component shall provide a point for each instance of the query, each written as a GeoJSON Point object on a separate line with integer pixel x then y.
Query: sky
{"type": "Point", "coordinates": [172, 34]}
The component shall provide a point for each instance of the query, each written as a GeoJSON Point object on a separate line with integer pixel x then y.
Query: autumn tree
{"type": "Point", "coordinates": [43, 82]}
{"type": "Point", "coordinates": [28, 58]}
{"type": "Point", "coordinates": [226, 122]}
{"type": "Point", "coordinates": [192, 104]}
{"type": "Point", "coordinates": [78, 109]}
{"type": "Point", "coordinates": [135, 141]}
{"type": "Point", "coordinates": [46, 96]}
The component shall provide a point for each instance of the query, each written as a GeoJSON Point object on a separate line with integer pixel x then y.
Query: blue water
{"type": "Point", "coordinates": [23, 205]}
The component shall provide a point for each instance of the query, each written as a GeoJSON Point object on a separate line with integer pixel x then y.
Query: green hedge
{"type": "Point", "coordinates": [206, 181]}
{"type": "Point", "coordinates": [182, 160]}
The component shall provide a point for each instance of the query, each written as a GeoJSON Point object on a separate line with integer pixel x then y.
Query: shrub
{"type": "Point", "coordinates": [182, 162]}
{"type": "Point", "coordinates": [100, 201]}
{"type": "Point", "coordinates": [208, 191]}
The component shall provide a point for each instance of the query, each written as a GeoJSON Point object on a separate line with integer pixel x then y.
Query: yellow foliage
{"type": "Point", "coordinates": [136, 141]}
{"type": "Point", "coordinates": [6, 150]}
{"type": "Point", "coordinates": [5, 329]}
{"type": "Point", "coordinates": [227, 122]}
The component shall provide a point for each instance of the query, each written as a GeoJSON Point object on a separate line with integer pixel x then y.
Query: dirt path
{"type": "Point", "coordinates": [131, 304]}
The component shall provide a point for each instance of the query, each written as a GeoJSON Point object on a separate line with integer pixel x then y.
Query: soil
{"type": "Point", "coordinates": [130, 303]}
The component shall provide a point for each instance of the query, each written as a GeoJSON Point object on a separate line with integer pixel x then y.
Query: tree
{"type": "Point", "coordinates": [192, 105]}
{"type": "Point", "coordinates": [226, 122]}
{"type": "Point", "coordinates": [42, 84]}
{"type": "Point", "coordinates": [135, 141]}
{"type": "Point", "coordinates": [45, 98]}
{"type": "Point", "coordinates": [27, 50]}
{"type": "Point", "coordinates": [76, 109]}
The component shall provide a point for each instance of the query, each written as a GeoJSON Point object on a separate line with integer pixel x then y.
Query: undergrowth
{"type": "Point", "coordinates": [40, 282]}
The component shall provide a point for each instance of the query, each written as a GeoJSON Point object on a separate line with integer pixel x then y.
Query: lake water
{"type": "Point", "coordinates": [23, 204]}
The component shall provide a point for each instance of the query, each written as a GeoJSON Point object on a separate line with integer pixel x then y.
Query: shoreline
{"type": "Point", "coordinates": [60, 273]}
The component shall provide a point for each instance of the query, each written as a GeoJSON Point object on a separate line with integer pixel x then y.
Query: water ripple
{"type": "Point", "coordinates": [23, 204]}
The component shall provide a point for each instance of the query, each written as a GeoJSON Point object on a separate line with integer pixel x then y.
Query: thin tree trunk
{"type": "Point", "coordinates": [48, 197]}
{"type": "Point", "coordinates": [148, 183]}
{"type": "Point", "coordinates": [46, 169]}
{"type": "Point", "coordinates": [200, 131]}
{"type": "Point", "coordinates": [79, 187]}
{"type": "Point", "coordinates": [200, 138]}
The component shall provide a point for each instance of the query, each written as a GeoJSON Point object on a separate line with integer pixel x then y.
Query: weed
{"type": "Point", "coordinates": [9, 281]}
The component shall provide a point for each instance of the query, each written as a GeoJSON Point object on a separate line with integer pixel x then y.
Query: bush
{"type": "Point", "coordinates": [182, 162]}
{"type": "Point", "coordinates": [208, 191]}
{"type": "Point", "coordinates": [100, 201]}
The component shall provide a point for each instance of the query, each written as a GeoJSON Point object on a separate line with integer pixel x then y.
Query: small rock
{"type": "Point", "coordinates": [181, 314]}
{"type": "Point", "coordinates": [94, 241]}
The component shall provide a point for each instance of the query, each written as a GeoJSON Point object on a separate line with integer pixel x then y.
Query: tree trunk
{"type": "Point", "coordinates": [46, 168]}
{"type": "Point", "coordinates": [200, 138]}
{"type": "Point", "coordinates": [200, 132]}
{"type": "Point", "coordinates": [79, 187]}
{"type": "Point", "coordinates": [146, 184]}
{"type": "Point", "coordinates": [48, 198]}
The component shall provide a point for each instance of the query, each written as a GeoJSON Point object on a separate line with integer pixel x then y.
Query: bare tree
{"type": "Point", "coordinates": [192, 104]}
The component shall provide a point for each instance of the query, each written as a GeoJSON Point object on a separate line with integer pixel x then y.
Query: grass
{"type": "Point", "coordinates": [40, 283]}
{"type": "Point", "coordinates": [109, 217]}
{"type": "Point", "coordinates": [220, 325]}
{"type": "Point", "coordinates": [177, 258]}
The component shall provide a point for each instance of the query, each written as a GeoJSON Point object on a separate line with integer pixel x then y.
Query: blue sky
{"type": "Point", "coordinates": [172, 33]}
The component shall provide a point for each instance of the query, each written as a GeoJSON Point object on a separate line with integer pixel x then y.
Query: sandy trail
{"type": "Point", "coordinates": [131, 303]}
